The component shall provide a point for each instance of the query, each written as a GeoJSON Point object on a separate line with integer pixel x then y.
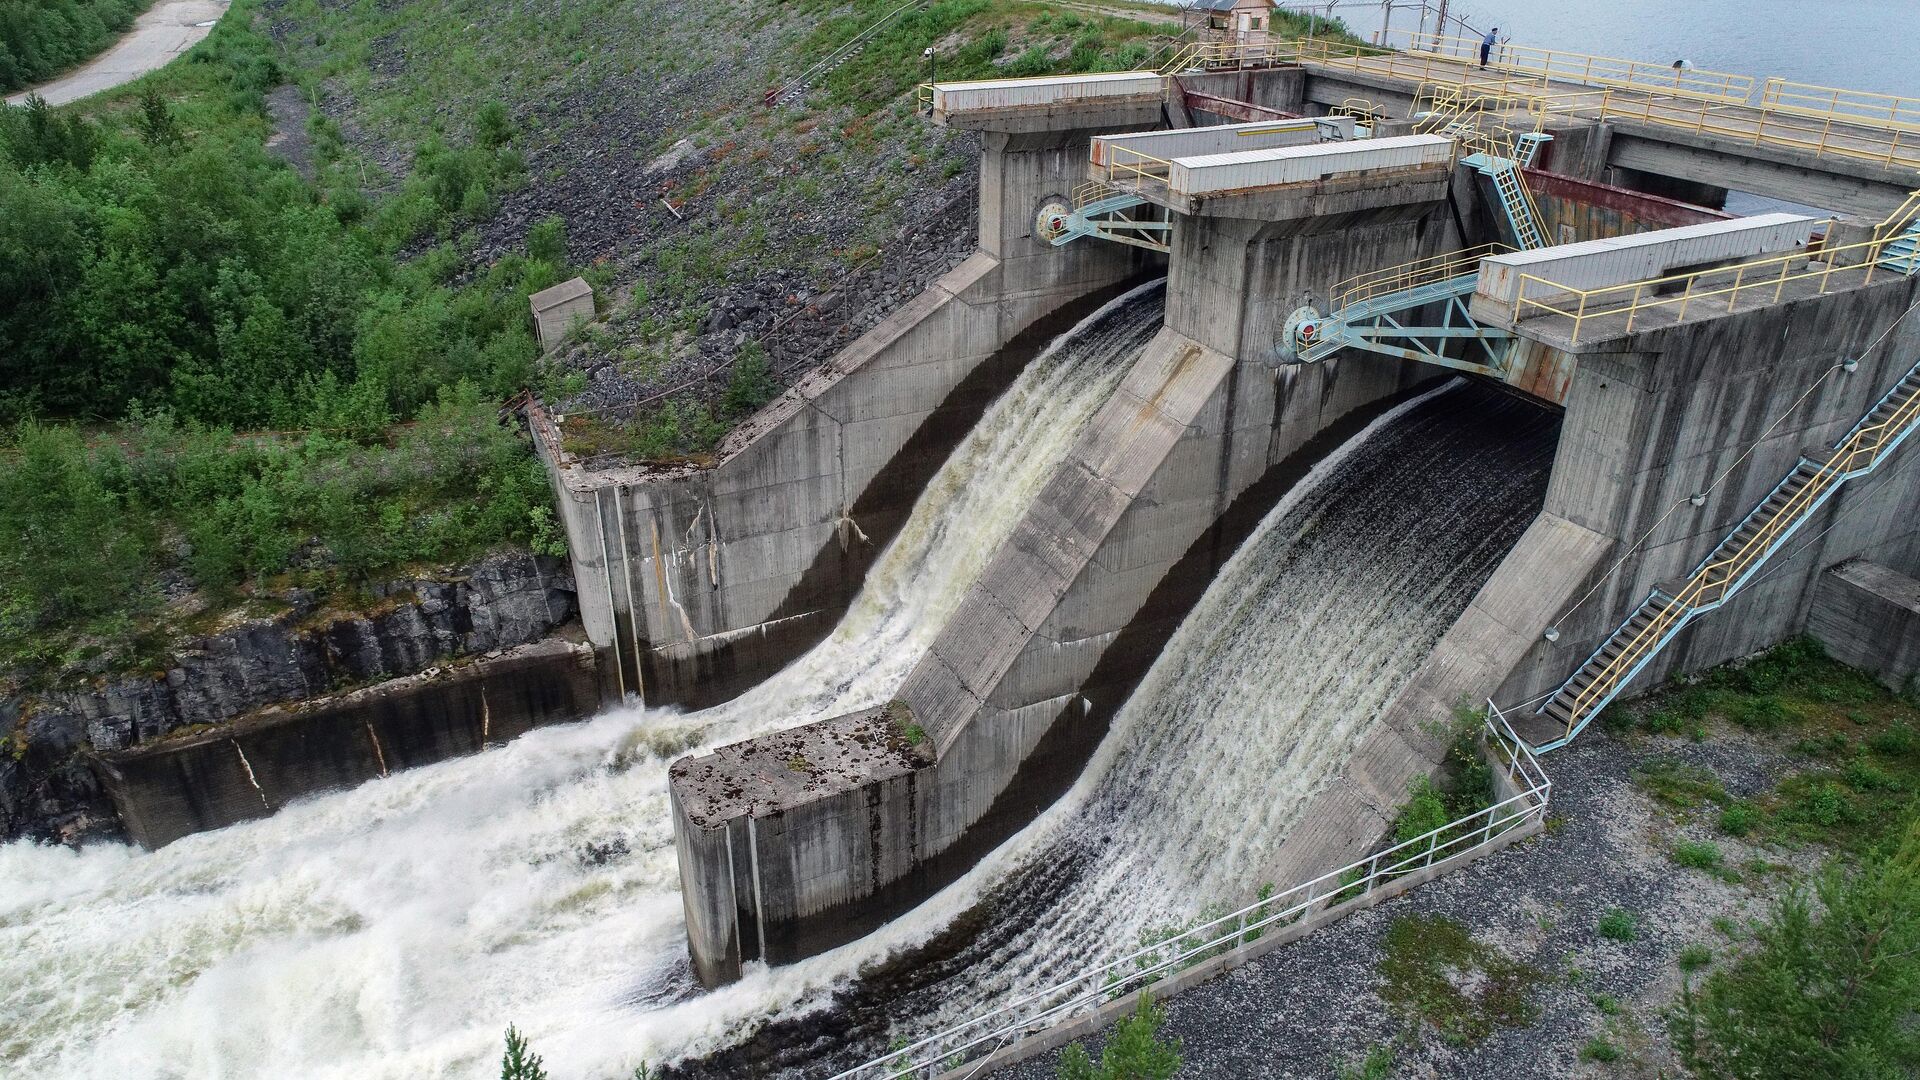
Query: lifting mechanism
{"type": "Point", "coordinates": [1376, 312]}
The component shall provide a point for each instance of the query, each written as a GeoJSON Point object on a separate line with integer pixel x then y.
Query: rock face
{"type": "Point", "coordinates": [47, 792]}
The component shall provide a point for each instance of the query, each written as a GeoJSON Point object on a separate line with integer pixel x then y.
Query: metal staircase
{"type": "Point", "coordinates": [1731, 565]}
{"type": "Point", "coordinates": [1901, 254]}
{"type": "Point", "coordinates": [1522, 216]}
{"type": "Point", "coordinates": [797, 89]}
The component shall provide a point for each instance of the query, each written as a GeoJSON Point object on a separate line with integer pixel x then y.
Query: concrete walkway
{"type": "Point", "coordinates": [166, 30]}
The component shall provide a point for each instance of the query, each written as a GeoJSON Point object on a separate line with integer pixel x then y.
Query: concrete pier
{"type": "Point", "coordinates": [1017, 690]}
{"type": "Point", "coordinates": [1868, 616]}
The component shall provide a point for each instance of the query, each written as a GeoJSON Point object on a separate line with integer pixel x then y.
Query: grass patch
{"type": "Point", "coordinates": [1600, 1049]}
{"type": "Point", "coordinates": [1694, 957]}
{"type": "Point", "coordinates": [1435, 972]}
{"type": "Point", "coordinates": [1698, 855]}
{"type": "Point", "coordinates": [1618, 924]}
{"type": "Point", "coordinates": [1856, 740]}
{"type": "Point", "coordinates": [1376, 1065]}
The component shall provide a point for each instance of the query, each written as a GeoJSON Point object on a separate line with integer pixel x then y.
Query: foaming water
{"type": "Point", "coordinates": [395, 929]}
{"type": "Point", "coordinates": [1256, 702]}
{"type": "Point", "coordinates": [1260, 697]}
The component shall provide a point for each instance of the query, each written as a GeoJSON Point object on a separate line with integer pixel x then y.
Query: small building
{"type": "Point", "coordinates": [556, 310]}
{"type": "Point", "coordinates": [1241, 22]}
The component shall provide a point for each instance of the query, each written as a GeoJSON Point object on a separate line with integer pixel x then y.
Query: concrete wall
{"type": "Point", "coordinates": [1354, 809]}
{"type": "Point", "coordinates": [701, 580]}
{"type": "Point", "coordinates": [1199, 441]}
{"type": "Point", "coordinates": [1868, 615]}
{"type": "Point", "coordinates": [1662, 414]}
{"type": "Point", "coordinates": [251, 768]}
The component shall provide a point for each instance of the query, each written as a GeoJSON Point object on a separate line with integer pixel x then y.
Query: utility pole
{"type": "Point", "coordinates": [1440, 26]}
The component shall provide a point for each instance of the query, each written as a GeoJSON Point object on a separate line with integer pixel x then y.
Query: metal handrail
{"type": "Point", "coordinates": [1559, 65]}
{"type": "Point", "coordinates": [774, 97]}
{"type": "Point", "coordinates": [934, 1053]}
{"type": "Point", "coordinates": [1728, 571]}
{"type": "Point", "coordinates": [1413, 274]}
{"type": "Point", "coordinates": [1863, 107]}
{"type": "Point", "coordinates": [1685, 290]}
{"type": "Point", "coordinates": [1142, 167]}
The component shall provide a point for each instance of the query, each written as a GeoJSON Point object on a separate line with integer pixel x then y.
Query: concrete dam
{"type": "Point", "coordinates": [1319, 270]}
{"type": "Point", "coordinates": [1290, 402]}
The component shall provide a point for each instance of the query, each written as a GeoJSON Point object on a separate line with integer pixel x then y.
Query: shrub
{"type": "Point", "coordinates": [547, 241]}
{"type": "Point", "coordinates": [1826, 996]}
{"type": "Point", "coordinates": [1895, 741]}
{"type": "Point", "coordinates": [1619, 924]}
{"type": "Point", "coordinates": [1134, 1050]}
{"type": "Point", "coordinates": [1697, 854]}
{"type": "Point", "coordinates": [1694, 957]}
{"type": "Point", "coordinates": [1739, 819]}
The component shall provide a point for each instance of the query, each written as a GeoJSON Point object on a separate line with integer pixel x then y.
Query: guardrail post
{"type": "Point", "coordinates": [1433, 838]}
{"type": "Point", "coordinates": [1373, 870]}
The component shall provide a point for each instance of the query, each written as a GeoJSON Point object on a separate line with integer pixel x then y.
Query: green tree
{"type": "Point", "coordinates": [520, 1062]}
{"type": "Point", "coordinates": [1833, 995]}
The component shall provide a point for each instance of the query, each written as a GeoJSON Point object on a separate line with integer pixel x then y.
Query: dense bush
{"type": "Point", "coordinates": [156, 253]}
{"type": "Point", "coordinates": [89, 534]}
{"type": "Point", "coordinates": [41, 38]}
{"type": "Point", "coordinates": [165, 281]}
{"type": "Point", "coordinates": [1831, 985]}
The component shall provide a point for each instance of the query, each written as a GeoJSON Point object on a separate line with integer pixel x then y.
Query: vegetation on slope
{"type": "Point", "coordinates": [1827, 983]}
{"type": "Point", "coordinates": [41, 38]}
{"type": "Point", "coordinates": [164, 280]}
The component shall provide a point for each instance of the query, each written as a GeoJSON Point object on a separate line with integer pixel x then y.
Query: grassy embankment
{"type": "Point", "coordinates": [164, 281]}
{"type": "Point", "coordinates": [1827, 982]}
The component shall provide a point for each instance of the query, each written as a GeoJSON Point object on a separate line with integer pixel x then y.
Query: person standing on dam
{"type": "Point", "coordinates": [1486, 46]}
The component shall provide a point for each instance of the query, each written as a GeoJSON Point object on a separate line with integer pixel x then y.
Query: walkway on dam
{"type": "Point", "coordinates": [158, 36]}
{"type": "Point", "coordinates": [1896, 144]}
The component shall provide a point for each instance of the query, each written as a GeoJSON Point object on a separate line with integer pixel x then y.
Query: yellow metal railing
{"type": "Point", "coordinates": [1127, 164]}
{"type": "Point", "coordinates": [1217, 55]}
{"type": "Point", "coordinates": [1713, 581]}
{"type": "Point", "coordinates": [1412, 275]}
{"type": "Point", "coordinates": [1886, 111]}
{"type": "Point", "coordinates": [1540, 295]}
{"type": "Point", "coordinates": [1559, 65]}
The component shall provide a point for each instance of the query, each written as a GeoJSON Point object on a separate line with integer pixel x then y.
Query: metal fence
{"type": "Point", "coordinates": [1356, 883]}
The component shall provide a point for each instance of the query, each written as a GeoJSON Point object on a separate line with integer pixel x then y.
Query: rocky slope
{"type": "Point", "coordinates": [47, 789]}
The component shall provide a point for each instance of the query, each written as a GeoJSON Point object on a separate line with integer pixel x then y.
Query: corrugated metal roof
{"type": "Point", "coordinates": [1209, 174]}
{"type": "Point", "coordinates": [1048, 81]}
{"type": "Point", "coordinates": [1441, 146]}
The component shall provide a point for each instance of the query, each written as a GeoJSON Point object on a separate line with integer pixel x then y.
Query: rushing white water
{"type": "Point", "coordinates": [395, 929]}
{"type": "Point", "coordinates": [1258, 699]}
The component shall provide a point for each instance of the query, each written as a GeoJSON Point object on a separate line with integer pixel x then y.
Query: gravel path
{"type": "Point", "coordinates": [1306, 1009]}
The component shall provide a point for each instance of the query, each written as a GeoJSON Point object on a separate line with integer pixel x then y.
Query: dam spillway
{"type": "Point", "coordinates": [1297, 647]}
{"type": "Point", "coordinates": [386, 915]}
{"type": "Point", "coordinates": [1095, 570]}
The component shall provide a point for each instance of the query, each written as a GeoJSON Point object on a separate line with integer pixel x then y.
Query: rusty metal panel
{"type": "Point", "coordinates": [1212, 173]}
